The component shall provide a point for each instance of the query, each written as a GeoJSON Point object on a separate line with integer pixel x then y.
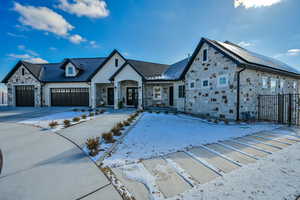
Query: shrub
{"type": "Point", "coordinates": [67, 123]}
{"type": "Point", "coordinates": [157, 112]}
{"type": "Point", "coordinates": [90, 109]}
{"type": "Point", "coordinates": [82, 110]}
{"type": "Point", "coordinates": [166, 112]}
{"type": "Point", "coordinates": [93, 145]}
{"type": "Point", "coordinates": [116, 131]}
{"type": "Point", "coordinates": [120, 104]}
{"type": "Point", "coordinates": [53, 124]}
{"type": "Point", "coordinates": [216, 121]}
{"type": "Point", "coordinates": [120, 125]}
{"type": "Point", "coordinates": [101, 111]}
{"type": "Point", "coordinates": [91, 114]}
{"type": "Point", "coordinates": [108, 137]}
{"type": "Point", "coordinates": [76, 119]}
{"type": "Point", "coordinates": [83, 116]}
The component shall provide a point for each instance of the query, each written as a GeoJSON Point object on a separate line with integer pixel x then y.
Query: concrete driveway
{"type": "Point", "coordinates": [40, 164]}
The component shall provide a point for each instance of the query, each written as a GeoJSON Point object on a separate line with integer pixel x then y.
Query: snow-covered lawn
{"type": "Point", "coordinates": [44, 121]}
{"type": "Point", "coordinates": [159, 134]}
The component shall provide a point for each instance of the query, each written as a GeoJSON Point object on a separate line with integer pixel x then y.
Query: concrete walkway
{"type": "Point", "coordinates": [43, 165]}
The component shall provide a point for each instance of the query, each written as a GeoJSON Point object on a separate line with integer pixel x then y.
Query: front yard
{"type": "Point", "coordinates": [159, 134]}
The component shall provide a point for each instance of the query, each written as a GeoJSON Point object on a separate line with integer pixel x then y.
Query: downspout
{"type": "Point", "coordinates": [238, 95]}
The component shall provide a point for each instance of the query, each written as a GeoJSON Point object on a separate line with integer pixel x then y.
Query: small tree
{"type": "Point", "coordinates": [76, 119]}
{"type": "Point", "coordinates": [93, 146]}
{"type": "Point", "coordinates": [67, 123]}
{"type": "Point", "coordinates": [83, 116]}
{"type": "Point", "coordinates": [108, 137]}
{"type": "Point", "coordinates": [53, 124]}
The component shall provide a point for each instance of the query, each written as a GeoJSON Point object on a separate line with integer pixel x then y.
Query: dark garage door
{"type": "Point", "coordinates": [70, 97]}
{"type": "Point", "coordinates": [25, 95]}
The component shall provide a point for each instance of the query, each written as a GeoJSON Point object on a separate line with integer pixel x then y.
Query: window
{"type": "Point", "coordinates": [181, 91]}
{"type": "Point", "coordinates": [281, 84]}
{"type": "Point", "coordinates": [157, 93]}
{"type": "Point", "coordinates": [23, 71]}
{"type": "Point", "coordinates": [295, 84]}
{"type": "Point", "coordinates": [264, 82]}
{"type": "Point", "coordinates": [222, 81]}
{"type": "Point", "coordinates": [70, 70]}
{"type": "Point", "coordinates": [192, 85]}
{"type": "Point", "coordinates": [116, 62]}
{"type": "Point", "coordinates": [205, 83]}
{"type": "Point", "coordinates": [273, 85]}
{"type": "Point", "coordinates": [204, 59]}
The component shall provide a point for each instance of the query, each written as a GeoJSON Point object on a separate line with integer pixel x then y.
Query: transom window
{"type": "Point", "coordinates": [204, 58]}
{"type": "Point", "coordinates": [157, 93]}
{"type": "Point", "coordinates": [205, 83]}
{"type": "Point", "coordinates": [222, 81]}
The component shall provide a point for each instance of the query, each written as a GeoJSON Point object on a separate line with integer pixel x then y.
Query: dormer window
{"type": "Point", "coordinates": [116, 62]}
{"type": "Point", "coordinates": [70, 70]}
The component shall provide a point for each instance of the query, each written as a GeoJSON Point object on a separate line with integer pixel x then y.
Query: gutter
{"type": "Point", "coordinates": [238, 94]}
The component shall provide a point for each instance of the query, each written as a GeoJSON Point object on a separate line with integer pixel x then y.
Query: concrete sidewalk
{"type": "Point", "coordinates": [42, 165]}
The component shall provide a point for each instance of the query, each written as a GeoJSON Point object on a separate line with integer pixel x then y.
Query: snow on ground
{"type": "Point", "coordinates": [159, 134]}
{"type": "Point", "coordinates": [44, 121]}
{"type": "Point", "coordinates": [274, 177]}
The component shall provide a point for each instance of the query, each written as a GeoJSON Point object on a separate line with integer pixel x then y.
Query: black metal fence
{"type": "Point", "coordinates": [281, 108]}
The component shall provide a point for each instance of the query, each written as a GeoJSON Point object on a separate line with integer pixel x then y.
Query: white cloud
{"type": "Point", "coordinates": [43, 18]}
{"type": "Point", "coordinates": [94, 44]}
{"type": "Point", "coordinates": [28, 58]}
{"type": "Point", "coordinates": [293, 52]}
{"type": "Point", "coordinates": [245, 44]}
{"type": "Point", "coordinates": [52, 48]}
{"type": "Point", "coordinates": [88, 8]}
{"type": "Point", "coordinates": [21, 47]}
{"type": "Point", "coordinates": [36, 60]}
{"type": "Point", "coordinates": [15, 35]}
{"type": "Point", "coordinates": [19, 56]}
{"type": "Point", "coordinates": [255, 3]}
{"type": "Point", "coordinates": [76, 39]}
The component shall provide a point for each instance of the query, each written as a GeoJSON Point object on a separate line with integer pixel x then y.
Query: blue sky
{"type": "Point", "coordinates": [163, 31]}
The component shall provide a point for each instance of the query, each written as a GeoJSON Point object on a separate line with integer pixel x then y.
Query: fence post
{"type": "Point", "coordinates": [290, 110]}
{"type": "Point", "coordinates": [278, 109]}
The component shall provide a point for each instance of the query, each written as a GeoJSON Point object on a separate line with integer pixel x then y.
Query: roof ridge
{"type": "Point", "coordinates": [87, 58]}
{"type": "Point", "coordinates": [147, 62]}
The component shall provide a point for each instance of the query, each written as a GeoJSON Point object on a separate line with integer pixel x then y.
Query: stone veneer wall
{"type": "Point", "coordinates": [214, 101]}
{"type": "Point", "coordinates": [18, 79]}
{"type": "Point", "coordinates": [251, 86]}
{"type": "Point", "coordinates": [101, 93]}
{"type": "Point", "coordinates": [148, 95]}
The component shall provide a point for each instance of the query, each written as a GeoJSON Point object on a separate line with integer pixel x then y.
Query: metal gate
{"type": "Point", "coordinates": [24, 95]}
{"type": "Point", "coordinates": [281, 108]}
{"type": "Point", "coordinates": [70, 96]}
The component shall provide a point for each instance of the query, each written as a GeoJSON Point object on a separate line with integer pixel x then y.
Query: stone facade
{"type": "Point", "coordinates": [150, 101]}
{"type": "Point", "coordinates": [19, 79]}
{"type": "Point", "coordinates": [101, 93]}
{"type": "Point", "coordinates": [251, 85]}
{"type": "Point", "coordinates": [212, 100]}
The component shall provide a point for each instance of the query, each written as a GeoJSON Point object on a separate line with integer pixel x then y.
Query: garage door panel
{"type": "Point", "coordinates": [24, 95]}
{"type": "Point", "coordinates": [70, 96]}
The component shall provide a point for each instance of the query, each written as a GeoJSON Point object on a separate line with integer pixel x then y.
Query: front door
{"type": "Point", "coordinates": [110, 96]}
{"type": "Point", "coordinates": [171, 96]}
{"type": "Point", "coordinates": [132, 96]}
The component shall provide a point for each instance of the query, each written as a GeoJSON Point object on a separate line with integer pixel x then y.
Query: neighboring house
{"type": "Point", "coordinates": [219, 80]}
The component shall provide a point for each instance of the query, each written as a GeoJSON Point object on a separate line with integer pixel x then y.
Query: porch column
{"type": "Point", "coordinates": [140, 94]}
{"type": "Point", "coordinates": [93, 95]}
{"type": "Point", "coordinates": [117, 91]}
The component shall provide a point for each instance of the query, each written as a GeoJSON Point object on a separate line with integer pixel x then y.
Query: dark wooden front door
{"type": "Point", "coordinates": [70, 96]}
{"type": "Point", "coordinates": [171, 96]}
{"type": "Point", "coordinates": [132, 96]}
{"type": "Point", "coordinates": [110, 96]}
{"type": "Point", "coordinates": [24, 95]}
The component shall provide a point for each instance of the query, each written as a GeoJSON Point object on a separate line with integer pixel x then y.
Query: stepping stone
{"type": "Point", "coordinates": [275, 137]}
{"type": "Point", "coordinates": [230, 153]}
{"type": "Point", "coordinates": [257, 144]}
{"type": "Point", "coordinates": [269, 141]}
{"type": "Point", "coordinates": [137, 189]}
{"type": "Point", "coordinates": [197, 170]}
{"type": "Point", "coordinates": [168, 181]}
{"type": "Point", "coordinates": [246, 149]}
{"type": "Point", "coordinates": [214, 159]}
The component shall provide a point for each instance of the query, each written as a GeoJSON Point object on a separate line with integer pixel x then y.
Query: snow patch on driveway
{"type": "Point", "coordinates": [159, 134]}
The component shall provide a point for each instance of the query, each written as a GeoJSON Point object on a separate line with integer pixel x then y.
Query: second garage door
{"type": "Point", "coordinates": [70, 96]}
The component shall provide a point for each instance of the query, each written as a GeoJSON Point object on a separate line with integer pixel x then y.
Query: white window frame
{"type": "Point", "coordinates": [295, 85]}
{"type": "Point", "coordinates": [194, 82]}
{"type": "Point", "coordinates": [204, 61]}
{"type": "Point", "coordinates": [203, 82]}
{"type": "Point", "coordinates": [281, 85]}
{"type": "Point", "coordinates": [67, 70]}
{"type": "Point", "coordinates": [226, 78]}
{"type": "Point", "coordinates": [273, 87]}
{"type": "Point", "coordinates": [264, 83]}
{"type": "Point", "coordinates": [155, 97]}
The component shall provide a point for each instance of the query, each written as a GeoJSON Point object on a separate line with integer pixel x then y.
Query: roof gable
{"type": "Point", "coordinates": [122, 67]}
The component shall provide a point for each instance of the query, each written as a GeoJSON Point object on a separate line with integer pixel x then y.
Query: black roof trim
{"type": "Point", "coordinates": [106, 60]}
{"type": "Point", "coordinates": [16, 67]}
{"type": "Point", "coordinates": [121, 68]}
